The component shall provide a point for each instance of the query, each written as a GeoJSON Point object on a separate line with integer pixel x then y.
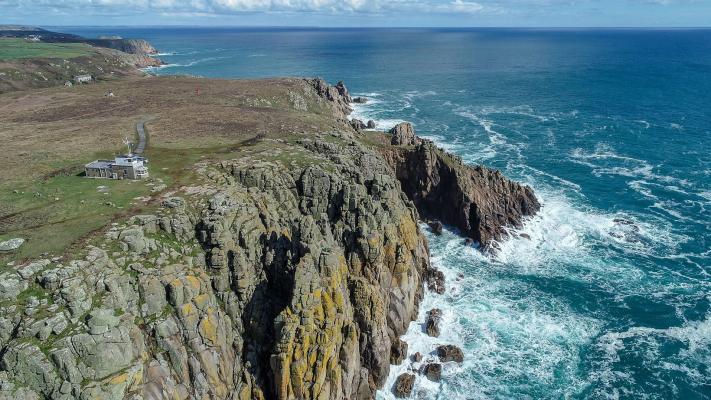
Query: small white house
{"type": "Point", "coordinates": [128, 166]}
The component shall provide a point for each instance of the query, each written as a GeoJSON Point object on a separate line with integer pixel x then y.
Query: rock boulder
{"type": "Point", "coordinates": [403, 134]}
{"type": "Point", "coordinates": [434, 317]}
{"type": "Point", "coordinates": [447, 353]}
{"type": "Point", "coordinates": [403, 386]}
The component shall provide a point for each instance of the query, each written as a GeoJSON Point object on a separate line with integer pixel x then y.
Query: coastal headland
{"type": "Point", "coordinates": [276, 252]}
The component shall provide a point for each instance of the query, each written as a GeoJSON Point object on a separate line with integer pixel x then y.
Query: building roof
{"type": "Point", "coordinates": [100, 164]}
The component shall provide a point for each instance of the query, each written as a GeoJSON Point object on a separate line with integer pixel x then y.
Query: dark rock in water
{"type": "Point", "coordinates": [417, 357]}
{"type": "Point", "coordinates": [468, 242]}
{"type": "Point", "coordinates": [436, 227]}
{"type": "Point", "coordinates": [403, 386]}
{"type": "Point", "coordinates": [404, 135]}
{"type": "Point", "coordinates": [434, 316]}
{"type": "Point", "coordinates": [371, 124]}
{"type": "Point", "coordinates": [398, 351]}
{"type": "Point", "coordinates": [358, 124]}
{"type": "Point", "coordinates": [359, 100]}
{"type": "Point", "coordinates": [525, 236]}
{"type": "Point", "coordinates": [480, 202]}
{"type": "Point", "coordinates": [435, 280]}
{"type": "Point", "coordinates": [449, 353]}
{"type": "Point", "coordinates": [626, 230]}
{"type": "Point", "coordinates": [433, 372]}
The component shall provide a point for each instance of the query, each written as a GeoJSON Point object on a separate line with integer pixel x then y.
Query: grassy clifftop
{"type": "Point", "coordinates": [51, 133]}
{"type": "Point", "coordinates": [13, 49]}
{"type": "Point", "coordinates": [29, 65]}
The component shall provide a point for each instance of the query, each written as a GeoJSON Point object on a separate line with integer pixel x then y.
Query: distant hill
{"type": "Point", "coordinates": [32, 57]}
{"type": "Point", "coordinates": [130, 46]}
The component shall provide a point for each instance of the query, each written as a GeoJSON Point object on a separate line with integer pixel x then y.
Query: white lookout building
{"type": "Point", "coordinates": [129, 166]}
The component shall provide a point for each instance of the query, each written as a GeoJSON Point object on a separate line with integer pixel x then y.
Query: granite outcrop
{"type": "Point", "coordinates": [270, 282]}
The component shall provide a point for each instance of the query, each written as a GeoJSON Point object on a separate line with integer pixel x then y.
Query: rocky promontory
{"type": "Point", "coordinates": [285, 274]}
{"type": "Point", "coordinates": [480, 202]}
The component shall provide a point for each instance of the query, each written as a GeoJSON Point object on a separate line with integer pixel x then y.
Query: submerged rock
{"type": "Point", "coordinates": [403, 386]}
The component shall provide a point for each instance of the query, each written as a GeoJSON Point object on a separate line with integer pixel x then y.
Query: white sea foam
{"type": "Point", "coordinates": [605, 161]}
{"type": "Point", "coordinates": [692, 342]}
{"type": "Point", "coordinates": [506, 338]}
{"type": "Point", "coordinates": [370, 111]}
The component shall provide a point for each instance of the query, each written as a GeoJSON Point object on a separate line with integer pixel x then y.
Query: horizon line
{"type": "Point", "coordinates": [360, 27]}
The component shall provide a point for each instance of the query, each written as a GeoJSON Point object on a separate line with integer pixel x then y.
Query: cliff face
{"type": "Point", "coordinates": [480, 202]}
{"type": "Point", "coordinates": [130, 46]}
{"type": "Point", "coordinates": [266, 284]}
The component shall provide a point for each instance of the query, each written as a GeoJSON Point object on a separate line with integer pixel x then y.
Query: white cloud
{"type": "Point", "coordinates": [328, 7]}
{"type": "Point", "coordinates": [466, 6]}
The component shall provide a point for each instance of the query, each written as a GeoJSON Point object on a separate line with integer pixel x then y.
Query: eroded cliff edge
{"type": "Point", "coordinates": [263, 281]}
{"type": "Point", "coordinates": [482, 203]}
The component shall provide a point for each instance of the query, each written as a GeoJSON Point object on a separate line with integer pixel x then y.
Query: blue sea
{"type": "Point", "coordinates": [609, 297]}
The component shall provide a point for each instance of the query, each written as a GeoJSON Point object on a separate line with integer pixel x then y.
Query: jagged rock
{"type": "Point", "coordinates": [359, 100]}
{"type": "Point", "coordinates": [12, 244]}
{"type": "Point", "coordinates": [403, 386]}
{"type": "Point", "coordinates": [433, 372]}
{"type": "Point", "coordinates": [370, 124]}
{"type": "Point", "coordinates": [435, 281]}
{"type": "Point", "coordinates": [436, 227]}
{"type": "Point", "coordinates": [434, 317]}
{"type": "Point", "coordinates": [417, 357]}
{"type": "Point", "coordinates": [11, 285]}
{"type": "Point", "coordinates": [398, 351]}
{"type": "Point", "coordinates": [404, 135]}
{"type": "Point", "coordinates": [447, 353]}
{"type": "Point", "coordinates": [343, 91]}
{"type": "Point", "coordinates": [27, 271]}
{"type": "Point", "coordinates": [478, 201]}
{"type": "Point", "coordinates": [337, 95]}
{"type": "Point", "coordinates": [358, 125]}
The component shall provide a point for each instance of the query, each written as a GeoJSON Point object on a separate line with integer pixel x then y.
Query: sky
{"type": "Point", "coordinates": [364, 13]}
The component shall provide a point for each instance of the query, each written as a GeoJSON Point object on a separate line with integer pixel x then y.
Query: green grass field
{"type": "Point", "coordinates": [13, 49]}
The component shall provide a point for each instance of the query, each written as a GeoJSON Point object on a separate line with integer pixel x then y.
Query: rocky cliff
{"type": "Point", "coordinates": [130, 46]}
{"type": "Point", "coordinates": [260, 282]}
{"type": "Point", "coordinates": [480, 202]}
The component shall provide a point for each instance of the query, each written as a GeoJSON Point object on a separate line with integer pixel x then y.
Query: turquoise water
{"type": "Point", "coordinates": [611, 295]}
